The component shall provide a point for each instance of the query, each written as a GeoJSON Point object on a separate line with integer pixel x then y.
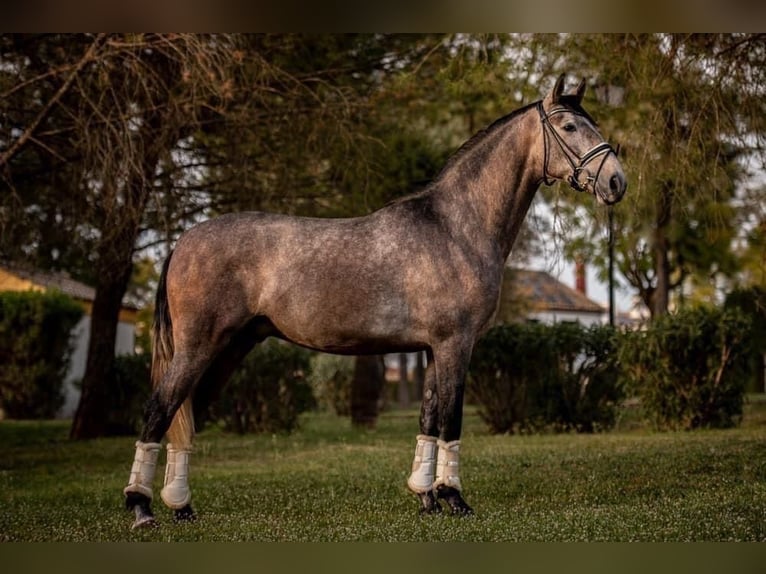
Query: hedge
{"type": "Point", "coordinates": [35, 348]}
{"type": "Point", "coordinates": [330, 380]}
{"type": "Point", "coordinates": [687, 368]}
{"type": "Point", "coordinates": [268, 391]}
{"type": "Point", "coordinates": [529, 377]}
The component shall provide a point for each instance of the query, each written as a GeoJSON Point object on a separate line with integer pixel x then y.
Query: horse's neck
{"type": "Point", "coordinates": [490, 189]}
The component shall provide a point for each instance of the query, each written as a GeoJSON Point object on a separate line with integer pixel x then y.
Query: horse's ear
{"type": "Point", "coordinates": [558, 89]}
{"type": "Point", "coordinates": [580, 91]}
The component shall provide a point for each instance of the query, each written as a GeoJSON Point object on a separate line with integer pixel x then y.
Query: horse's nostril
{"type": "Point", "coordinates": [615, 183]}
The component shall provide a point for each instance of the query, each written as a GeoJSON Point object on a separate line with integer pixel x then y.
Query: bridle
{"type": "Point", "coordinates": [579, 166]}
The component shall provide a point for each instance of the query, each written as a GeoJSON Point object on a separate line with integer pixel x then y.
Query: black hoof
{"type": "Point", "coordinates": [185, 514]}
{"type": "Point", "coordinates": [140, 504]}
{"type": "Point", "coordinates": [455, 501]}
{"type": "Point", "coordinates": [428, 503]}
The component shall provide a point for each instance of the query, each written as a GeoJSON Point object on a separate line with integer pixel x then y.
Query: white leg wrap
{"type": "Point", "coordinates": [176, 493]}
{"type": "Point", "coordinates": [423, 465]}
{"type": "Point", "coordinates": [144, 465]}
{"type": "Point", "coordinates": [447, 464]}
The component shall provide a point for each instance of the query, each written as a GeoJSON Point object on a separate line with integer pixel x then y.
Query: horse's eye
{"type": "Point", "coordinates": [570, 128]}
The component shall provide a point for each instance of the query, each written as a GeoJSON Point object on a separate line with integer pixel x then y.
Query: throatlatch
{"type": "Point", "coordinates": [144, 466]}
{"type": "Point", "coordinates": [176, 493]}
{"type": "Point", "coordinates": [423, 465]}
{"type": "Point", "coordinates": [448, 465]}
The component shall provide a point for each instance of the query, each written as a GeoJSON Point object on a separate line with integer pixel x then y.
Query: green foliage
{"type": "Point", "coordinates": [268, 392]}
{"type": "Point", "coordinates": [686, 368]}
{"type": "Point", "coordinates": [683, 108]}
{"type": "Point", "coordinates": [530, 377]}
{"type": "Point", "coordinates": [130, 386]}
{"type": "Point", "coordinates": [751, 302]}
{"type": "Point", "coordinates": [330, 380]}
{"type": "Point", "coordinates": [265, 394]}
{"type": "Point", "coordinates": [35, 347]}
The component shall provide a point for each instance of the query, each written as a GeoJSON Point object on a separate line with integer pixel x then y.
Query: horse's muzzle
{"type": "Point", "coordinates": [617, 186]}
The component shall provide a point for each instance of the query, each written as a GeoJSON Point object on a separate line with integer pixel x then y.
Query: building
{"type": "Point", "coordinates": [537, 296]}
{"type": "Point", "coordinates": [14, 278]}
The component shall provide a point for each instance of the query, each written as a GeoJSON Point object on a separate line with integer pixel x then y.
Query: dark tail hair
{"type": "Point", "coordinates": [181, 428]}
{"type": "Point", "coordinates": [162, 328]}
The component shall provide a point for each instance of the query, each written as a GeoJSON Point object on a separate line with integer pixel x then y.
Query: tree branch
{"type": "Point", "coordinates": [8, 154]}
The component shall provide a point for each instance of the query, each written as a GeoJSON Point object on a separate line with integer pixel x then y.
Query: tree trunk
{"type": "Point", "coordinates": [120, 229]}
{"type": "Point", "coordinates": [366, 387]}
{"type": "Point", "coordinates": [90, 420]}
{"type": "Point", "coordinates": [403, 390]}
{"type": "Point", "coordinates": [660, 296]}
{"type": "Point", "coordinates": [420, 375]}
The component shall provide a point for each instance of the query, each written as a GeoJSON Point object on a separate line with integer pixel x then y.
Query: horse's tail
{"type": "Point", "coordinates": [181, 428]}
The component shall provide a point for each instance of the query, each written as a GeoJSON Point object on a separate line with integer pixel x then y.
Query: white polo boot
{"type": "Point", "coordinates": [176, 493]}
{"type": "Point", "coordinates": [144, 466]}
{"type": "Point", "coordinates": [421, 479]}
{"type": "Point", "coordinates": [448, 465]}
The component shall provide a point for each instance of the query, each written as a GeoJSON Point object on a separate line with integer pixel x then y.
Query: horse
{"type": "Point", "coordinates": [324, 284]}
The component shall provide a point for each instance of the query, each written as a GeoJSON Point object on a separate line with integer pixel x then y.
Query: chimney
{"type": "Point", "coordinates": [580, 283]}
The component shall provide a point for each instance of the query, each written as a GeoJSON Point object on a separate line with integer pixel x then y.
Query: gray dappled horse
{"type": "Point", "coordinates": [326, 284]}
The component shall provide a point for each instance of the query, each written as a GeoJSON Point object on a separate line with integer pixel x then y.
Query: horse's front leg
{"type": "Point", "coordinates": [421, 480]}
{"type": "Point", "coordinates": [451, 369]}
{"type": "Point", "coordinates": [435, 468]}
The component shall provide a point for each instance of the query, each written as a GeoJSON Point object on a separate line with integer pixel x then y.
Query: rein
{"type": "Point", "coordinates": [579, 167]}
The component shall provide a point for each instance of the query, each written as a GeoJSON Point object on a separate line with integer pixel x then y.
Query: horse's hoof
{"type": "Point", "coordinates": [144, 522]}
{"type": "Point", "coordinates": [428, 503]}
{"type": "Point", "coordinates": [454, 500]}
{"type": "Point", "coordinates": [141, 505]}
{"type": "Point", "coordinates": [185, 514]}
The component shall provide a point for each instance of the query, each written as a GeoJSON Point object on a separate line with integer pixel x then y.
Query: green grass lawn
{"type": "Point", "coordinates": [327, 482]}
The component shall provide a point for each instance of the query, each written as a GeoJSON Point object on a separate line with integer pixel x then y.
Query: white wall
{"type": "Point", "coordinates": [124, 345]}
{"type": "Point", "coordinates": [550, 317]}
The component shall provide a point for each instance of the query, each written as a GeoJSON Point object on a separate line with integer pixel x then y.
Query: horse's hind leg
{"type": "Point", "coordinates": [183, 375]}
{"type": "Point", "coordinates": [176, 493]}
{"type": "Point", "coordinates": [165, 413]}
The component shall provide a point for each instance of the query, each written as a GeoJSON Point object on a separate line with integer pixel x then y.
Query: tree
{"type": "Point", "coordinates": [115, 108]}
{"type": "Point", "coordinates": [114, 142]}
{"type": "Point", "coordinates": [367, 387]}
{"type": "Point", "coordinates": [688, 110]}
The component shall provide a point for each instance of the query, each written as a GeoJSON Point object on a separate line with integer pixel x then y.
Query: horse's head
{"type": "Point", "coordinates": [574, 150]}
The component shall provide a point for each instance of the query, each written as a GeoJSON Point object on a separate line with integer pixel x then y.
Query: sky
{"type": "Point", "coordinates": [551, 260]}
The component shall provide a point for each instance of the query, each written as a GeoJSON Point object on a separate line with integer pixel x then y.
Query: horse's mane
{"type": "Point", "coordinates": [567, 100]}
{"type": "Point", "coordinates": [462, 151]}
{"type": "Point", "coordinates": [479, 136]}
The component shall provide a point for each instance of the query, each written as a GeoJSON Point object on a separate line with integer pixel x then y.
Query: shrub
{"type": "Point", "coordinates": [35, 348]}
{"type": "Point", "coordinates": [267, 392]}
{"type": "Point", "coordinates": [330, 381]}
{"type": "Point", "coordinates": [590, 380]}
{"type": "Point", "coordinates": [530, 377]}
{"type": "Point", "coordinates": [752, 303]}
{"type": "Point", "coordinates": [130, 387]}
{"type": "Point", "coordinates": [685, 368]}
